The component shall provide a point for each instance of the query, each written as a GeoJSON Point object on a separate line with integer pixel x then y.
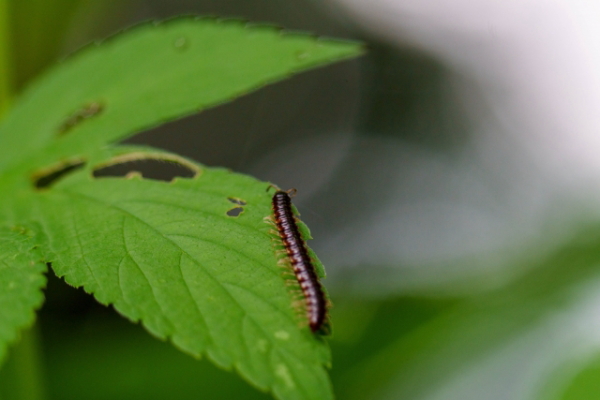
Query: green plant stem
{"type": "Point", "coordinates": [21, 375]}
{"type": "Point", "coordinates": [5, 58]}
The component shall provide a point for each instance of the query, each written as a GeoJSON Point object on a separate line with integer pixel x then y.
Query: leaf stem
{"type": "Point", "coordinates": [21, 375]}
{"type": "Point", "coordinates": [5, 57]}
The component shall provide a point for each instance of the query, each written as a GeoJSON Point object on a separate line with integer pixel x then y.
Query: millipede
{"type": "Point", "coordinates": [297, 252]}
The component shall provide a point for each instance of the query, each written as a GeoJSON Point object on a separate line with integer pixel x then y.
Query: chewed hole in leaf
{"type": "Point", "coordinates": [235, 212]}
{"type": "Point", "coordinates": [86, 112]}
{"type": "Point", "coordinates": [150, 169]}
{"type": "Point", "coordinates": [45, 178]}
{"type": "Point", "coordinates": [151, 166]}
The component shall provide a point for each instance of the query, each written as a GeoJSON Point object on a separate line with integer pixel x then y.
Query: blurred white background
{"type": "Point", "coordinates": [524, 76]}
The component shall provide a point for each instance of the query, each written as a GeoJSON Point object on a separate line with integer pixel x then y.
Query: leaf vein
{"type": "Point", "coordinates": [128, 254]}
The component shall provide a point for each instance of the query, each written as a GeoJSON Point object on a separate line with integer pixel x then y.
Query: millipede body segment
{"type": "Point", "coordinates": [316, 305]}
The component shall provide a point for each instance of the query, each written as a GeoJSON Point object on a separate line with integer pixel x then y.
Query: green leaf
{"type": "Point", "coordinates": [155, 73]}
{"type": "Point", "coordinates": [21, 283]}
{"type": "Point", "coordinates": [169, 255]}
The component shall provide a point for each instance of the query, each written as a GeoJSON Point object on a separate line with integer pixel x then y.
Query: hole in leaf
{"type": "Point", "coordinates": [237, 201]}
{"type": "Point", "coordinates": [87, 111]}
{"type": "Point", "coordinates": [150, 168]}
{"type": "Point", "coordinates": [47, 177]}
{"type": "Point", "coordinates": [235, 212]}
